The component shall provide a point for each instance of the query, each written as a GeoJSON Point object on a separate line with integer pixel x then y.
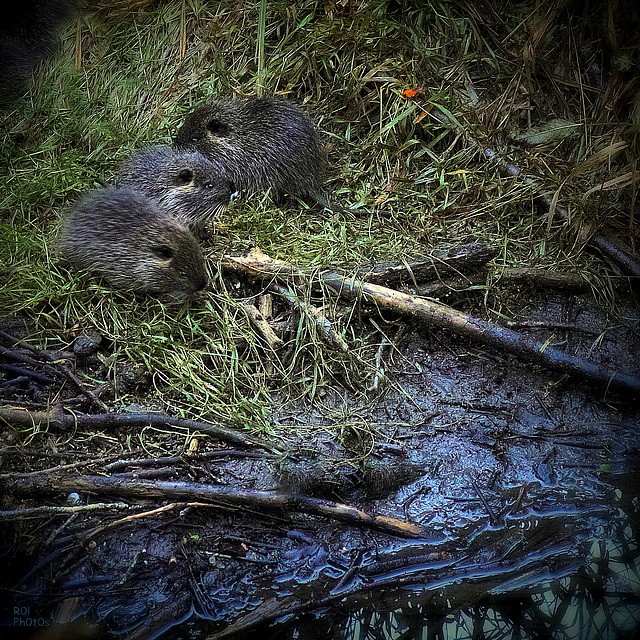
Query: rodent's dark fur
{"type": "Point", "coordinates": [185, 183]}
{"type": "Point", "coordinates": [27, 36]}
{"type": "Point", "coordinates": [124, 236]}
{"type": "Point", "coordinates": [262, 143]}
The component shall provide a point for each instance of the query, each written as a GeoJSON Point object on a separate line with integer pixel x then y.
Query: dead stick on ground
{"type": "Point", "coordinates": [456, 261]}
{"type": "Point", "coordinates": [326, 331]}
{"type": "Point", "coordinates": [262, 326]}
{"type": "Point", "coordinates": [64, 467]}
{"type": "Point", "coordinates": [542, 278]}
{"type": "Point", "coordinates": [26, 419]}
{"type": "Point", "coordinates": [188, 492]}
{"type": "Point", "coordinates": [52, 511]}
{"type": "Point", "coordinates": [379, 374]}
{"type": "Point", "coordinates": [187, 458]}
{"type": "Point", "coordinates": [443, 316]}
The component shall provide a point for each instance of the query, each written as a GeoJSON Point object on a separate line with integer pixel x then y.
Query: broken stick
{"type": "Point", "coordinates": [191, 491]}
{"type": "Point", "coordinates": [455, 260]}
{"type": "Point", "coordinates": [261, 325]}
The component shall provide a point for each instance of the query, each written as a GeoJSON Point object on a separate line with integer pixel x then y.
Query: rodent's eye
{"type": "Point", "coordinates": [185, 176]}
{"type": "Point", "coordinates": [164, 252]}
{"type": "Point", "coordinates": [217, 128]}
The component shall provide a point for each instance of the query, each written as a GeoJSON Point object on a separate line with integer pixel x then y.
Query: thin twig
{"type": "Point", "coordinates": [379, 374]}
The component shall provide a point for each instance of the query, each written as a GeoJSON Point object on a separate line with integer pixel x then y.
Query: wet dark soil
{"type": "Point", "coordinates": [525, 484]}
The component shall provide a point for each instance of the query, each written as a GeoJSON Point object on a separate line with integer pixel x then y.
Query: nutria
{"type": "Point", "coordinates": [126, 237]}
{"type": "Point", "coordinates": [28, 35]}
{"type": "Point", "coordinates": [262, 142]}
{"type": "Point", "coordinates": [185, 183]}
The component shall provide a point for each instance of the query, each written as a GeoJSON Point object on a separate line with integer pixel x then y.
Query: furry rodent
{"type": "Point", "coordinates": [262, 143]}
{"type": "Point", "coordinates": [124, 236]}
{"type": "Point", "coordinates": [187, 185]}
{"type": "Point", "coordinates": [28, 34]}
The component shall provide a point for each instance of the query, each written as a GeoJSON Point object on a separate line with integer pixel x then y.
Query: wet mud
{"type": "Point", "coordinates": [524, 484]}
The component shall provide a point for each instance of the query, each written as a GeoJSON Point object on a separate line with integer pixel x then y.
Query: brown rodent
{"type": "Point", "coordinates": [124, 236]}
{"type": "Point", "coordinates": [28, 35]}
{"type": "Point", "coordinates": [185, 183]}
{"type": "Point", "coordinates": [262, 143]}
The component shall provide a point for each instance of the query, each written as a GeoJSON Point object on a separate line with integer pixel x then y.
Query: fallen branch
{"type": "Point", "coordinates": [25, 419]}
{"type": "Point", "coordinates": [456, 260]}
{"type": "Point", "coordinates": [120, 465]}
{"type": "Point", "coordinates": [443, 316]}
{"type": "Point", "coordinates": [191, 492]}
{"type": "Point", "coordinates": [49, 511]}
{"type": "Point", "coordinates": [453, 285]}
{"type": "Point", "coordinates": [65, 467]}
{"type": "Point", "coordinates": [19, 371]}
{"type": "Point", "coordinates": [542, 278]}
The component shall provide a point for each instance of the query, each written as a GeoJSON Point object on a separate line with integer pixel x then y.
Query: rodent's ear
{"type": "Point", "coordinates": [185, 176]}
{"type": "Point", "coordinates": [217, 128]}
{"type": "Point", "coordinates": [163, 251]}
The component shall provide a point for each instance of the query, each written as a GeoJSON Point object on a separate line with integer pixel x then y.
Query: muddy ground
{"type": "Point", "coordinates": [513, 474]}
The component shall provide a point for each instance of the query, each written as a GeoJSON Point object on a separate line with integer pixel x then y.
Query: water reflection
{"type": "Point", "coordinates": [542, 595]}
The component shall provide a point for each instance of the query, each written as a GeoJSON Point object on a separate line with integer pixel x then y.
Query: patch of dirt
{"type": "Point", "coordinates": [502, 464]}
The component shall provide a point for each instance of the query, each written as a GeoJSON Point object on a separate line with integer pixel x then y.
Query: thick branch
{"type": "Point", "coordinates": [189, 492]}
{"type": "Point", "coordinates": [460, 259]}
{"type": "Point", "coordinates": [543, 278]}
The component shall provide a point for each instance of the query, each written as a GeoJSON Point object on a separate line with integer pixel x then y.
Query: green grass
{"type": "Point", "coordinates": [412, 182]}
